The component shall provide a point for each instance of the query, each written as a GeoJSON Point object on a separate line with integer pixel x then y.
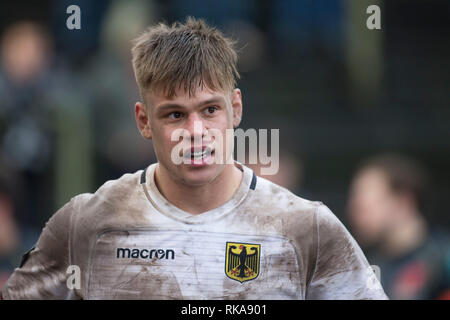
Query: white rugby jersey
{"type": "Point", "coordinates": [129, 242]}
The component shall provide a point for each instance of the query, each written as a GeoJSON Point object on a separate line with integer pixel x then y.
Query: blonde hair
{"type": "Point", "coordinates": [184, 56]}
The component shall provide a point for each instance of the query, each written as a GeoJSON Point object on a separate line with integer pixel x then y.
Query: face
{"type": "Point", "coordinates": [192, 128]}
{"type": "Point", "coordinates": [371, 205]}
{"type": "Point", "coordinates": [25, 54]}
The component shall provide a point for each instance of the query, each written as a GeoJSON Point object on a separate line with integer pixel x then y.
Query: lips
{"type": "Point", "coordinates": [198, 154]}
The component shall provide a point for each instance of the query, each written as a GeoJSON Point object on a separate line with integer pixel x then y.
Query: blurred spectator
{"type": "Point", "coordinates": [41, 123]}
{"type": "Point", "coordinates": [26, 137]}
{"type": "Point", "coordinates": [386, 209]}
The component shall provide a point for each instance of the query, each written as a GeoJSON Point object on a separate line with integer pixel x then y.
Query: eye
{"type": "Point", "coordinates": [211, 110]}
{"type": "Point", "coordinates": [175, 115]}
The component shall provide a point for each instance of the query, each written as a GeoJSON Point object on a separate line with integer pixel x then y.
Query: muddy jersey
{"type": "Point", "coordinates": [126, 241]}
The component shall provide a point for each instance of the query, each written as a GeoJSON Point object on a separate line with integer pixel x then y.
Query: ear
{"type": "Point", "coordinates": [236, 104]}
{"type": "Point", "coordinates": [142, 120]}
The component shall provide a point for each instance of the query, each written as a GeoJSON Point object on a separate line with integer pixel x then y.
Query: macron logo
{"type": "Point", "coordinates": [127, 253]}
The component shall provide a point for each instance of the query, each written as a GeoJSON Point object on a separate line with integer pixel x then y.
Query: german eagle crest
{"type": "Point", "coordinates": [242, 261]}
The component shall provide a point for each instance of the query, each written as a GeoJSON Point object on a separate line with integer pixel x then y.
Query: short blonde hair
{"type": "Point", "coordinates": [184, 56]}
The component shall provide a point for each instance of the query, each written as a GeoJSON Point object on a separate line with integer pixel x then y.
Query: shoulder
{"type": "Point", "coordinates": [299, 217]}
{"type": "Point", "coordinates": [111, 196]}
{"type": "Point", "coordinates": [281, 201]}
{"type": "Point", "coordinates": [282, 211]}
{"type": "Point", "coordinates": [126, 184]}
{"type": "Point", "coordinates": [113, 191]}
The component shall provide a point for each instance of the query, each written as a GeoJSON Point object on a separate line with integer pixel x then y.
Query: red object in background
{"type": "Point", "coordinates": [445, 295]}
{"type": "Point", "coordinates": [410, 280]}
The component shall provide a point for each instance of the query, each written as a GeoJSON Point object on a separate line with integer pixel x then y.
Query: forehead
{"type": "Point", "coordinates": [156, 98]}
{"type": "Point", "coordinates": [371, 179]}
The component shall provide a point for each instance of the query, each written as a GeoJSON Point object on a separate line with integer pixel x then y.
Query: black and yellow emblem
{"type": "Point", "coordinates": [242, 261]}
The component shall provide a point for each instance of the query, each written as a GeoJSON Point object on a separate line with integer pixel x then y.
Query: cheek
{"type": "Point", "coordinates": [160, 133]}
{"type": "Point", "coordinates": [218, 124]}
{"type": "Point", "coordinates": [162, 140]}
{"type": "Point", "coordinates": [230, 119]}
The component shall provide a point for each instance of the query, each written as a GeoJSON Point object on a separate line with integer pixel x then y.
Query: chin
{"type": "Point", "coordinates": [198, 176]}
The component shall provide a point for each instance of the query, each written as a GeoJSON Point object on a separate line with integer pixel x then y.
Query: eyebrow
{"type": "Point", "coordinates": [169, 105]}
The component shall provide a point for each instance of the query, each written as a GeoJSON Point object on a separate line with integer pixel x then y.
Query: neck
{"type": "Point", "coordinates": [407, 236]}
{"type": "Point", "coordinates": [199, 199]}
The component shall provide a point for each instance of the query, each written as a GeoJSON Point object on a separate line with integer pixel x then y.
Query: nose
{"type": "Point", "coordinates": [195, 127]}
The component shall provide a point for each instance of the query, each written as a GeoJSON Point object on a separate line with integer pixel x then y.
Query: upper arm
{"type": "Point", "coordinates": [342, 270]}
{"type": "Point", "coordinates": [42, 273]}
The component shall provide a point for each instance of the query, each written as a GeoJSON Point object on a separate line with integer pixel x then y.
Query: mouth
{"type": "Point", "coordinates": [198, 155]}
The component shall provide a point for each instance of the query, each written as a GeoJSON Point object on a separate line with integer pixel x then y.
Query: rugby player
{"type": "Point", "coordinates": [199, 229]}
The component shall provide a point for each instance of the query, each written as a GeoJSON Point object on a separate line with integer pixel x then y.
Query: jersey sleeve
{"type": "Point", "coordinates": [42, 273]}
{"type": "Point", "coordinates": [341, 272]}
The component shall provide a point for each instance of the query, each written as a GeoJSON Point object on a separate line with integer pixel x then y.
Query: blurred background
{"type": "Point", "coordinates": [364, 115]}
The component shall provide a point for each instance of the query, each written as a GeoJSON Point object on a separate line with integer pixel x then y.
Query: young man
{"type": "Point", "coordinates": [205, 228]}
